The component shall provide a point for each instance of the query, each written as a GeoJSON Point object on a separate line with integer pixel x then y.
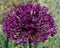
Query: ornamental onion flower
{"type": "Point", "coordinates": [29, 22]}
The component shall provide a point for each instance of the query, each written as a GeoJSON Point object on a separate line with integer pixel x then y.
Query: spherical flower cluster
{"type": "Point", "coordinates": [29, 22]}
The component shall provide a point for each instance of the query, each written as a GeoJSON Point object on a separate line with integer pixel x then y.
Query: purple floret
{"type": "Point", "coordinates": [29, 23]}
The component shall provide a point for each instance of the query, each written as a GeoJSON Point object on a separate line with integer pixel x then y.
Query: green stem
{"type": "Point", "coordinates": [30, 45]}
{"type": "Point", "coordinates": [7, 43]}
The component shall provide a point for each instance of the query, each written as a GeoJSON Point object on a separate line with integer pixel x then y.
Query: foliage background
{"type": "Point", "coordinates": [54, 9]}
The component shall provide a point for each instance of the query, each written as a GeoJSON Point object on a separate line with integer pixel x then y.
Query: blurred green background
{"type": "Point", "coordinates": [54, 9]}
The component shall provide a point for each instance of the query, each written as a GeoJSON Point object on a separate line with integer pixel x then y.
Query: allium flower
{"type": "Point", "coordinates": [29, 23]}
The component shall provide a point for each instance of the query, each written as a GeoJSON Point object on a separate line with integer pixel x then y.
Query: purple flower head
{"type": "Point", "coordinates": [29, 23]}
